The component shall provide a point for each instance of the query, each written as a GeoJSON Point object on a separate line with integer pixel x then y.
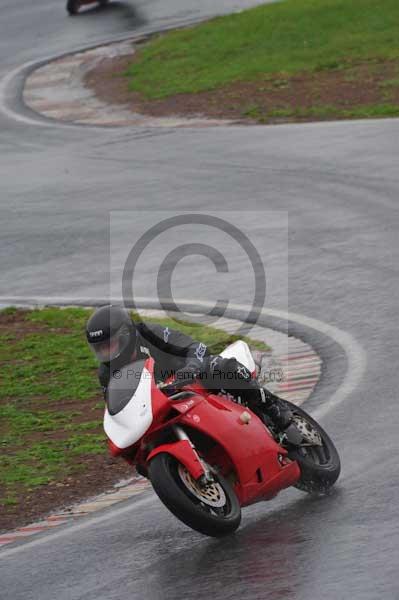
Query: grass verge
{"type": "Point", "coordinates": [301, 59]}
{"type": "Point", "coordinates": [51, 408]}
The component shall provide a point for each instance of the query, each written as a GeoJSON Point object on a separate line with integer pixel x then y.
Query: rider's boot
{"type": "Point", "coordinates": [279, 414]}
{"type": "Point", "coordinates": [261, 400]}
{"type": "Point", "coordinates": [247, 390]}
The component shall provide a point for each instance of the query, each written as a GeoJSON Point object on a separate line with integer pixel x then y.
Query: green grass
{"type": "Point", "coordinates": [391, 83]}
{"type": "Point", "coordinates": [287, 37]}
{"type": "Point", "coordinates": [49, 394]}
{"type": "Point", "coordinates": [322, 112]}
{"type": "Point", "coordinates": [41, 462]}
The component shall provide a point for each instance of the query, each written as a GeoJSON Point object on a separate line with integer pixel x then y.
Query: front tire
{"type": "Point", "coordinates": [218, 513]}
{"type": "Point", "coordinates": [319, 464]}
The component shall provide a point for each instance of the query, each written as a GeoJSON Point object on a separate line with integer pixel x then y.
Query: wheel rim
{"type": "Point", "coordinates": [313, 448]}
{"type": "Point", "coordinates": [211, 495]}
{"type": "Point", "coordinates": [309, 433]}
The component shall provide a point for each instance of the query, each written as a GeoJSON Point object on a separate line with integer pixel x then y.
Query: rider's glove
{"type": "Point", "coordinates": [187, 373]}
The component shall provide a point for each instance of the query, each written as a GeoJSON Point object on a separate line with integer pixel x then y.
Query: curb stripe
{"type": "Point", "coordinates": [311, 356]}
{"type": "Point", "coordinates": [300, 378]}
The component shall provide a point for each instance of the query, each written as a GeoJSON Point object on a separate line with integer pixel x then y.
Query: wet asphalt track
{"type": "Point", "coordinates": [339, 183]}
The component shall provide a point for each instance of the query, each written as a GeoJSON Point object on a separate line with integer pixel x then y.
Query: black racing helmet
{"type": "Point", "coordinates": [110, 331]}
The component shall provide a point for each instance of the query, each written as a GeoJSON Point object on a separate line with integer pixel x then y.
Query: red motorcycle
{"type": "Point", "coordinates": [207, 456]}
{"type": "Point", "coordinates": [73, 6]}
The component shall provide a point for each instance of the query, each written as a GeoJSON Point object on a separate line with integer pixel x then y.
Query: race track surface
{"type": "Point", "coordinates": [339, 183]}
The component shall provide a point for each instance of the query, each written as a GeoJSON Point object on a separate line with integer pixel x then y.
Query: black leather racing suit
{"type": "Point", "coordinates": [174, 351]}
{"type": "Point", "coordinates": [170, 349]}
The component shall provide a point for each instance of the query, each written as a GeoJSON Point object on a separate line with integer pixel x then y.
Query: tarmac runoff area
{"type": "Point", "coordinates": [292, 369]}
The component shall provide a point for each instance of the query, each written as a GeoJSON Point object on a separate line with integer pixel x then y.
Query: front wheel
{"type": "Point", "coordinates": [318, 458]}
{"type": "Point", "coordinates": [213, 510]}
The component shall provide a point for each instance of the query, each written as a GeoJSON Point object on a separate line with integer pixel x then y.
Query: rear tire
{"type": "Point", "coordinates": [73, 7]}
{"type": "Point", "coordinates": [320, 465]}
{"type": "Point", "coordinates": [169, 486]}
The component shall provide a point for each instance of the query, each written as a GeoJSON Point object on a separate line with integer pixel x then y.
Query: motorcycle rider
{"type": "Point", "coordinates": [117, 341]}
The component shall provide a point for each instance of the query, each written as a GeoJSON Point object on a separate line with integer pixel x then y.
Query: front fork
{"type": "Point", "coordinates": [207, 477]}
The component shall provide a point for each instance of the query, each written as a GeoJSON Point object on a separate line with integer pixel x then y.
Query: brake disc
{"type": "Point", "coordinates": [211, 494]}
{"type": "Point", "coordinates": [309, 433]}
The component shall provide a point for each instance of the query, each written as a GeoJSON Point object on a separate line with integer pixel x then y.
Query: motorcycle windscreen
{"type": "Point", "coordinates": [123, 385]}
{"type": "Point", "coordinates": [128, 414]}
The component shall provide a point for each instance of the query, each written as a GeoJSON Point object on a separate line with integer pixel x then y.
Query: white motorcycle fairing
{"type": "Point", "coordinates": [126, 427]}
{"type": "Point", "coordinates": [240, 350]}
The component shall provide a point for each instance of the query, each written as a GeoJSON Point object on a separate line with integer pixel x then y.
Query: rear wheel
{"type": "Point", "coordinates": [317, 458]}
{"type": "Point", "coordinates": [73, 7]}
{"type": "Point", "coordinates": [213, 510]}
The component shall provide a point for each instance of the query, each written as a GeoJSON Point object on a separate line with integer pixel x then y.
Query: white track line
{"type": "Point", "coordinates": [14, 115]}
{"type": "Point", "coordinates": [6, 99]}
